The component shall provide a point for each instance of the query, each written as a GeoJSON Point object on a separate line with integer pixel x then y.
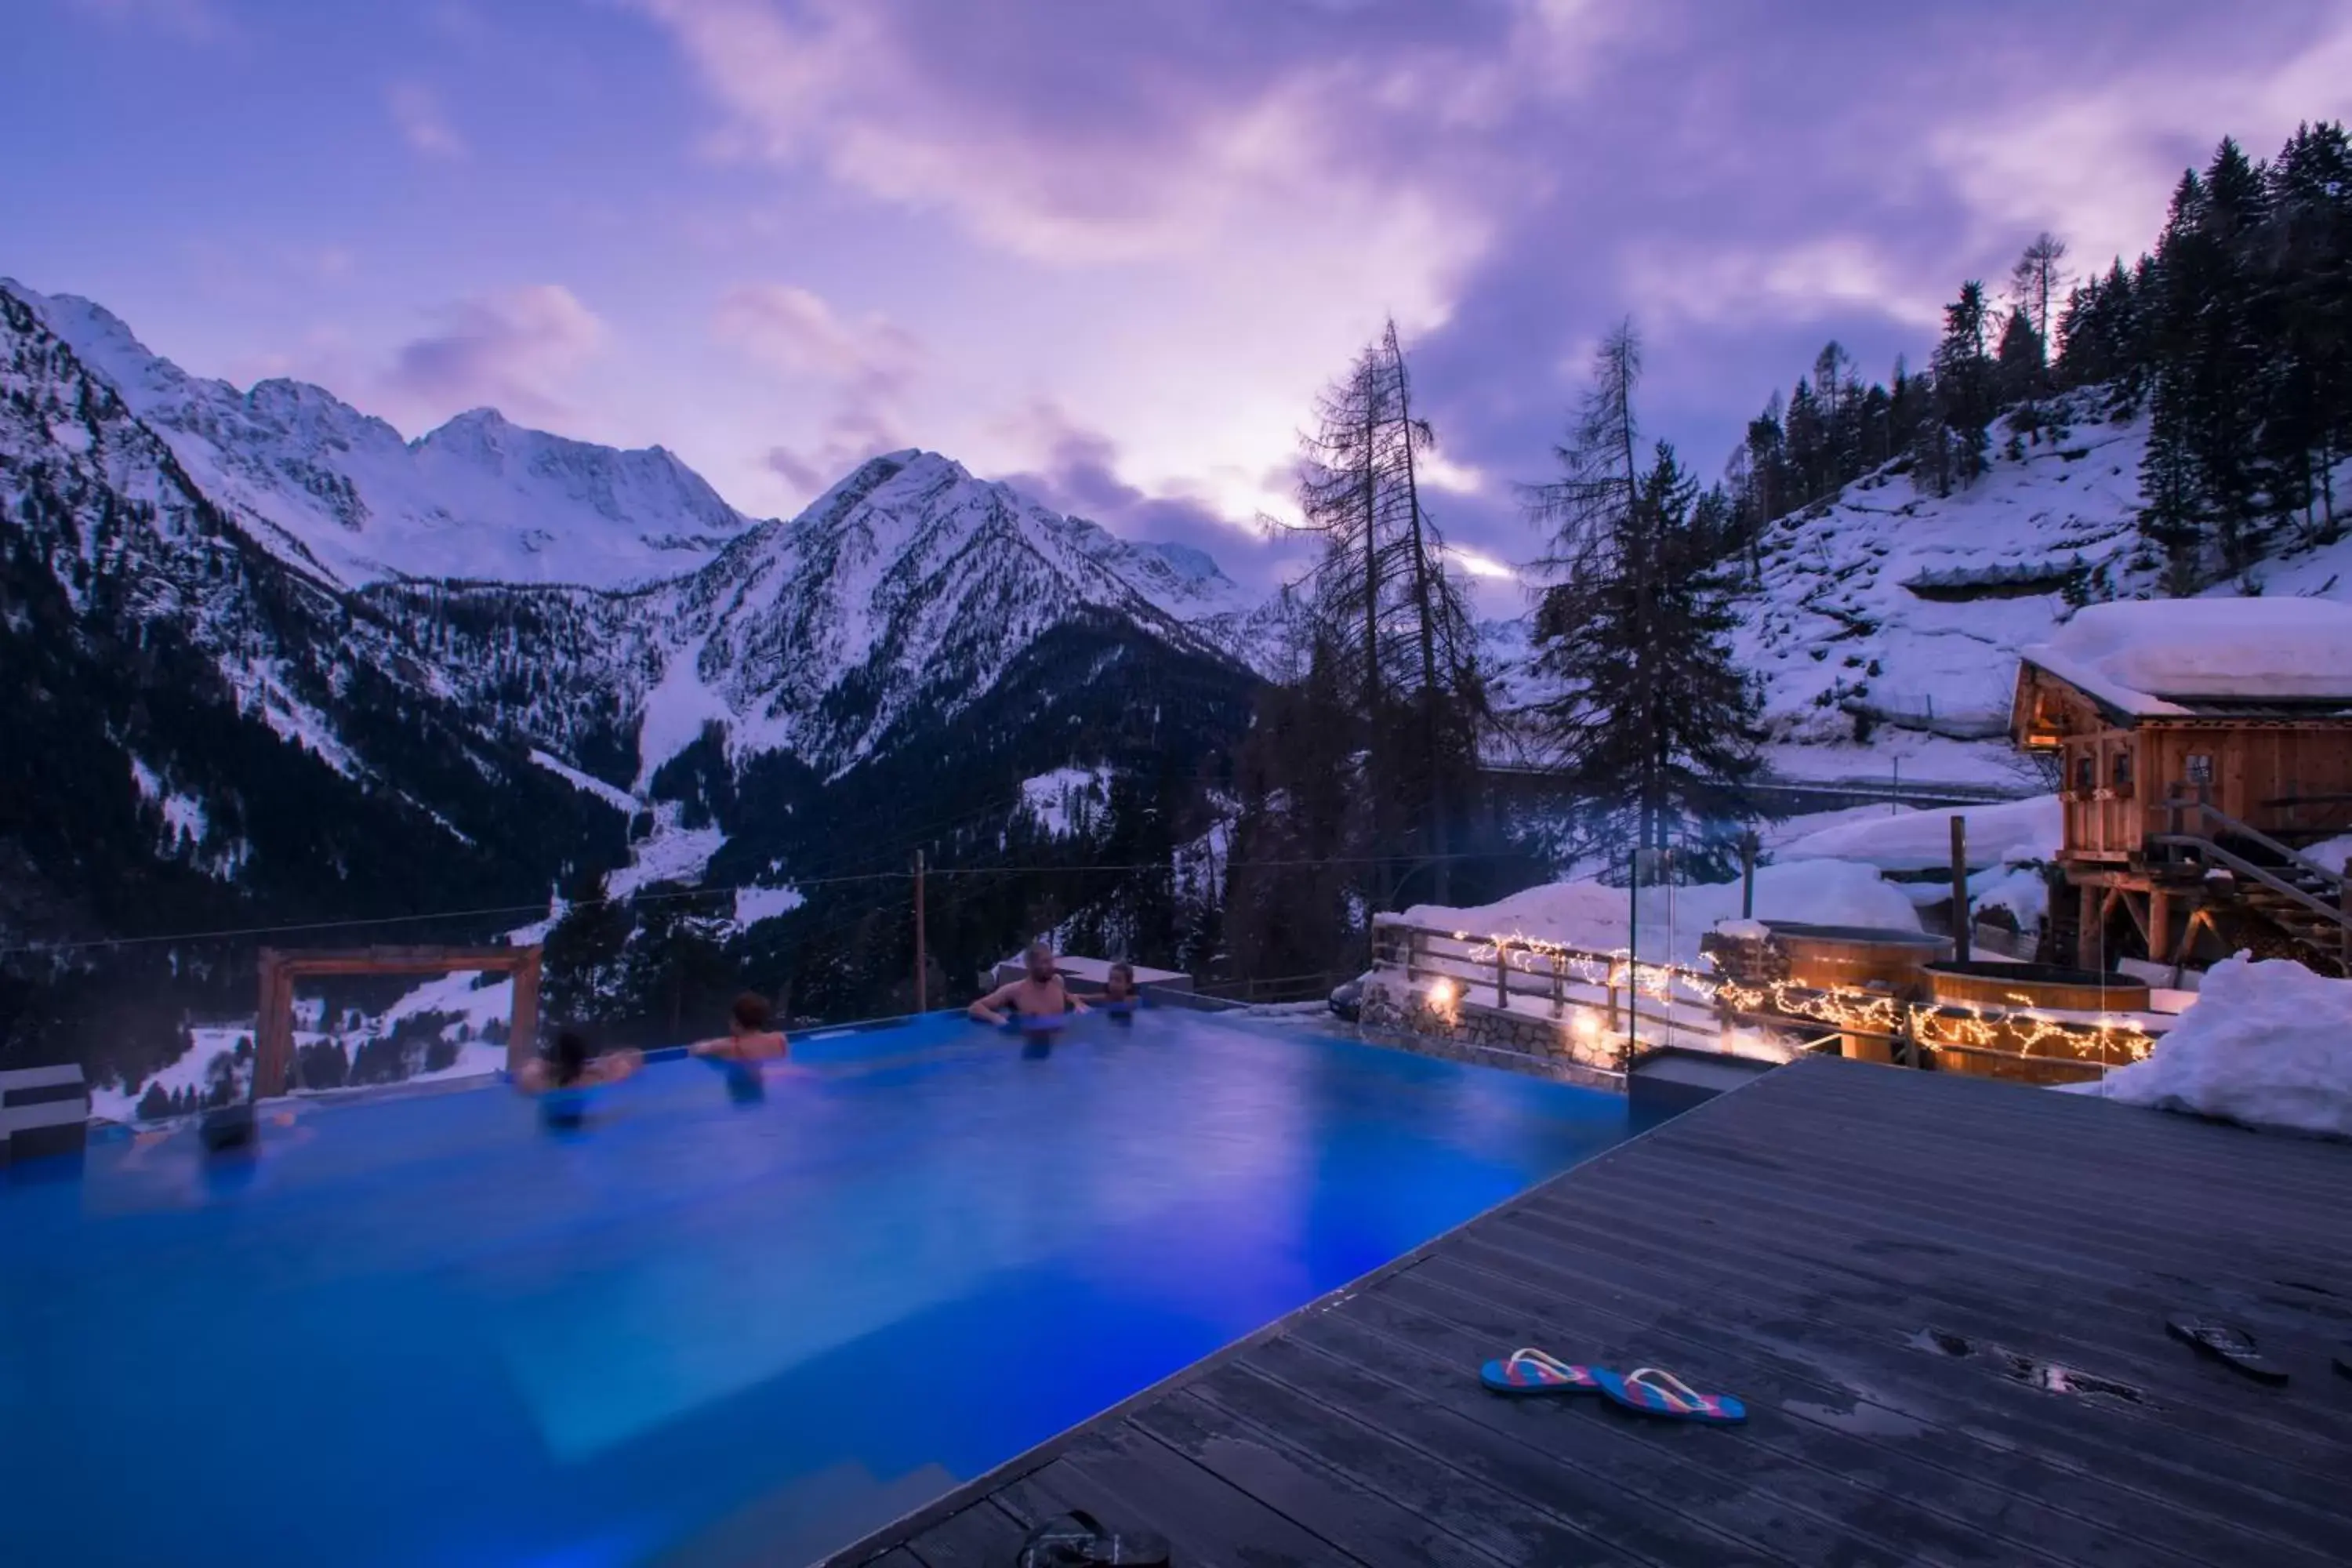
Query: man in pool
{"type": "Point", "coordinates": [1037, 996]}
{"type": "Point", "coordinates": [749, 1037]}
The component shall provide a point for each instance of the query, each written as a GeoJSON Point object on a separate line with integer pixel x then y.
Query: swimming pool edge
{"type": "Point", "coordinates": [881, 1540]}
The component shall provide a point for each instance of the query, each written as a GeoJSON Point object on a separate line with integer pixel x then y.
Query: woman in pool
{"type": "Point", "coordinates": [1119, 997]}
{"type": "Point", "coordinates": [563, 1079]}
{"type": "Point", "coordinates": [749, 1036]}
{"type": "Point", "coordinates": [570, 1064]}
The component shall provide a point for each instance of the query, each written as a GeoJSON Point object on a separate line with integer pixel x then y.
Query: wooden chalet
{"type": "Point", "coordinates": [2202, 746]}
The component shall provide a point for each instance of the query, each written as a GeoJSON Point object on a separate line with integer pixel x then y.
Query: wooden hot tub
{"type": "Point", "coordinates": [1881, 960]}
{"type": "Point", "coordinates": [2059, 1056]}
{"type": "Point", "coordinates": [1858, 958]}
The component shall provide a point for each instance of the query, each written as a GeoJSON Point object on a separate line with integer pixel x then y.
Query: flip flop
{"type": "Point", "coordinates": [2227, 1343]}
{"type": "Point", "coordinates": [1661, 1394]}
{"type": "Point", "coordinates": [1078, 1540]}
{"type": "Point", "coordinates": [1531, 1371]}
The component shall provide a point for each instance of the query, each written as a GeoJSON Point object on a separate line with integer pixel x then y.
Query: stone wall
{"type": "Point", "coordinates": [1398, 1014]}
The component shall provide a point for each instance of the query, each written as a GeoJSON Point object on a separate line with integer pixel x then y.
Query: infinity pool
{"type": "Point", "coordinates": [704, 1328]}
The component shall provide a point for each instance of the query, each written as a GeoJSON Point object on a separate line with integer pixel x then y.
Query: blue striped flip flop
{"type": "Point", "coordinates": [1531, 1371]}
{"type": "Point", "coordinates": [1662, 1394]}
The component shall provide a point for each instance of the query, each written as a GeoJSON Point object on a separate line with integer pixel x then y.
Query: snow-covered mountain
{"type": "Point", "coordinates": [339, 492]}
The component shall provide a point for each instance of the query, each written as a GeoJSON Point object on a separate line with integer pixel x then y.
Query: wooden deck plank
{"type": "Point", "coordinates": [1868, 1481]}
{"type": "Point", "coordinates": [2108, 1324]}
{"type": "Point", "coordinates": [1325, 1355]}
{"type": "Point", "coordinates": [1788, 1242]}
{"type": "Point", "coordinates": [981, 1536]}
{"type": "Point", "coordinates": [1713, 1477]}
{"type": "Point", "coordinates": [2003, 1488]}
{"type": "Point", "coordinates": [1472, 1510]}
{"type": "Point", "coordinates": [1358, 1519]}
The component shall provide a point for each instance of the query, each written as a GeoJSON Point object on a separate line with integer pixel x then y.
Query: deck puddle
{"type": "Point", "coordinates": [2048, 1376]}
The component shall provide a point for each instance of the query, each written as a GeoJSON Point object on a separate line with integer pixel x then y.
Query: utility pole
{"type": "Point", "coordinates": [923, 960]}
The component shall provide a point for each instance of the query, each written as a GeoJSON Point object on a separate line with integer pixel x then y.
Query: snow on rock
{"type": "Point", "coordinates": [754, 904]}
{"type": "Point", "coordinates": [671, 853]}
{"type": "Point", "coordinates": [1593, 916]}
{"type": "Point", "coordinates": [1068, 800]}
{"type": "Point", "coordinates": [2149, 656]}
{"type": "Point", "coordinates": [2268, 1044]}
{"type": "Point", "coordinates": [2009, 834]}
{"type": "Point", "coordinates": [619, 799]}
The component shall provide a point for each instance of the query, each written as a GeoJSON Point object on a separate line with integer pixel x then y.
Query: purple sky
{"type": "Point", "coordinates": [1112, 248]}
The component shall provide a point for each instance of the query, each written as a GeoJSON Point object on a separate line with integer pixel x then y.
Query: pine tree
{"type": "Point", "coordinates": [2017, 366]}
{"type": "Point", "coordinates": [2038, 280]}
{"type": "Point", "coordinates": [1965, 390]}
{"type": "Point", "coordinates": [1383, 588]}
{"type": "Point", "coordinates": [1654, 725]}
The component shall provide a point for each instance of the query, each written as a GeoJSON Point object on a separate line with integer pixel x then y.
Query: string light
{"type": "Point", "coordinates": [2025, 1030]}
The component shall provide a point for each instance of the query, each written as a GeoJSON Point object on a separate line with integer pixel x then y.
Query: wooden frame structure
{"type": "Point", "coordinates": [2159, 796]}
{"type": "Point", "coordinates": [273, 1042]}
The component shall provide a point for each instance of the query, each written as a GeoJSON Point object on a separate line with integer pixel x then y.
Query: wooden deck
{"type": "Point", "coordinates": [1887, 1266]}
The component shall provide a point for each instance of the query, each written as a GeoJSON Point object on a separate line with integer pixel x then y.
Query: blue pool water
{"type": "Point", "coordinates": [707, 1326]}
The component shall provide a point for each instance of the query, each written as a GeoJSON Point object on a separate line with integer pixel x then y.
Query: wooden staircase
{"type": "Point", "coordinates": [2249, 874]}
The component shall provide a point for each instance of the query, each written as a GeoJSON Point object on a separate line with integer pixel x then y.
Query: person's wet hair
{"type": "Point", "coordinates": [571, 1056]}
{"type": "Point", "coordinates": [751, 1011]}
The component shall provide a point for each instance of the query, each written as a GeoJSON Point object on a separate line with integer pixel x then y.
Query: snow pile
{"type": "Point", "coordinates": [2268, 1044]}
{"type": "Point", "coordinates": [2146, 656]}
{"type": "Point", "coordinates": [1593, 915]}
{"type": "Point", "coordinates": [2012, 834]}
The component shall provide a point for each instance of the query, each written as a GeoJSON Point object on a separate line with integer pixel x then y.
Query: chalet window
{"type": "Point", "coordinates": [2201, 768]}
{"type": "Point", "coordinates": [2123, 771]}
{"type": "Point", "coordinates": [2085, 777]}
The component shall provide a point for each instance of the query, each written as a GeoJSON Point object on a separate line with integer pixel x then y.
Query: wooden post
{"type": "Point", "coordinates": [1748, 846]}
{"type": "Point", "coordinates": [1959, 887]}
{"type": "Point", "coordinates": [1502, 977]}
{"type": "Point", "coordinates": [922, 960]}
{"type": "Point", "coordinates": [273, 1026]}
{"type": "Point", "coordinates": [2344, 898]}
{"type": "Point", "coordinates": [523, 1019]}
{"type": "Point", "coordinates": [2159, 924]}
{"type": "Point", "coordinates": [2090, 912]}
{"type": "Point", "coordinates": [1559, 997]}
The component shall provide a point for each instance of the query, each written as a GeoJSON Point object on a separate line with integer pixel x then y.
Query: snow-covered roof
{"type": "Point", "coordinates": [2177, 658]}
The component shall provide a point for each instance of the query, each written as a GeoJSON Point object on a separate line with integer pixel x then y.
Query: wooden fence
{"type": "Point", "coordinates": [1697, 1007]}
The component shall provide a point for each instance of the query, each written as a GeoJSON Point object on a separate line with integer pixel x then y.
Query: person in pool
{"type": "Point", "coordinates": [1038, 995]}
{"type": "Point", "coordinates": [569, 1065]}
{"type": "Point", "coordinates": [751, 1037]}
{"type": "Point", "coordinates": [1119, 996]}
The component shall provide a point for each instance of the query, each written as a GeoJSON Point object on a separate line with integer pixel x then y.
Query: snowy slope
{"type": "Point", "coordinates": [1898, 616]}
{"type": "Point", "coordinates": [340, 493]}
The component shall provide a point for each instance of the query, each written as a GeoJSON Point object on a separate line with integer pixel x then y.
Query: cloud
{"type": "Point", "coordinates": [791, 329]}
{"type": "Point", "coordinates": [866, 366]}
{"type": "Point", "coordinates": [514, 351]}
{"type": "Point", "coordinates": [416, 112]}
{"type": "Point", "coordinates": [2096, 161]}
{"type": "Point", "coordinates": [1086, 135]}
{"type": "Point", "coordinates": [1811, 279]}
{"type": "Point", "coordinates": [1076, 471]}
